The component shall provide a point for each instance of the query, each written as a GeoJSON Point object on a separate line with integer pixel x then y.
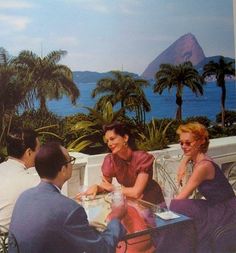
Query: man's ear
{"type": "Point", "coordinates": [63, 170]}
{"type": "Point", "coordinates": [28, 152]}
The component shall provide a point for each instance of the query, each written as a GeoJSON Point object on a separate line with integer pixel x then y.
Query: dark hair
{"type": "Point", "coordinates": [122, 130]}
{"type": "Point", "coordinates": [19, 140]}
{"type": "Point", "coordinates": [49, 160]}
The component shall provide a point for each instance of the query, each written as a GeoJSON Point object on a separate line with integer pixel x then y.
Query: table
{"type": "Point", "coordinates": [143, 220]}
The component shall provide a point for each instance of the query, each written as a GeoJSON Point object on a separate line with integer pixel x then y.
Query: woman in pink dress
{"type": "Point", "coordinates": [132, 168]}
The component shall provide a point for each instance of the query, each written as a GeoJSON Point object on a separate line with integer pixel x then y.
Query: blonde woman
{"type": "Point", "coordinates": [218, 208]}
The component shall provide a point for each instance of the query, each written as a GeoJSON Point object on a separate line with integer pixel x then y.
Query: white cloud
{"type": "Point", "coordinates": [92, 5]}
{"type": "Point", "coordinates": [129, 7]}
{"type": "Point", "coordinates": [107, 6]}
{"type": "Point", "coordinates": [14, 4]}
{"type": "Point", "coordinates": [15, 22]}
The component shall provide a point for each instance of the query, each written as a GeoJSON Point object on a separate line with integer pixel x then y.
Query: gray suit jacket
{"type": "Point", "coordinates": [45, 221]}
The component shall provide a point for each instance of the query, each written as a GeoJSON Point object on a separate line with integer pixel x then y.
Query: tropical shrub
{"type": "Point", "coordinates": [154, 136]}
{"type": "Point", "coordinates": [230, 117]}
{"type": "Point", "coordinates": [216, 131]}
{"type": "Point", "coordinates": [90, 130]}
{"type": "Point", "coordinates": [201, 119]}
{"type": "Point", "coordinates": [48, 125]}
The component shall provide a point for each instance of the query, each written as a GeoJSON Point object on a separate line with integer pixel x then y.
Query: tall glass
{"type": "Point", "coordinates": [168, 196]}
{"type": "Point", "coordinates": [117, 197]}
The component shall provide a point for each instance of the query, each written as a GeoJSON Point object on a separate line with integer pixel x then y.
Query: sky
{"type": "Point", "coordinates": [104, 35]}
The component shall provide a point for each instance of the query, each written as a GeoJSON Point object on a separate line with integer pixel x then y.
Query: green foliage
{"type": "Point", "coordinates": [220, 70]}
{"type": "Point", "coordinates": [90, 130]}
{"type": "Point", "coordinates": [154, 136]}
{"type": "Point", "coordinates": [184, 74]}
{"type": "Point", "coordinates": [217, 131]}
{"type": "Point", "coordinates": [26, 77]}
{"type": "Point", "coordinates": [48, 79]}
{"type": "Point", "coordinates": [201, 119]}
{"type": "Point", "coordinates": [171, 131]}
{"type": "Point", "coordinates": [230, 117]}
{"type": "Point", "coordinates": [35, 119]}
{"type": "Point", "coordinates": [47, 124]}
{"type": "Point", "coordinates": [125, 90]}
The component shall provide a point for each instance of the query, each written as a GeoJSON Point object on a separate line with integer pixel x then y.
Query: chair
{"type": "Point", "coordinates": [224, 239]}
{"type": "Point", "coordinates": [8, 242]}
{"type": "Point", "coordinates": [12, 243]}
{"type": "Point", "coordinates": [3, 239]}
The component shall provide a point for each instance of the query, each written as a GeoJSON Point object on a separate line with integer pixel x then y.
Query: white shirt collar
{"type": "Point", "coordinates": [57, 188]}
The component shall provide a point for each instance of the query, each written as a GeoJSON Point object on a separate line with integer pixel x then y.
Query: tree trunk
{"type": "Point", "coordinates": [179, 102]}
{"type": "Point", "coordinates": [42, 101]}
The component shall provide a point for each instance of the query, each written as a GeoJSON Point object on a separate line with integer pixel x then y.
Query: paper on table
{"type": "Point", "coordinates": [168, 215]}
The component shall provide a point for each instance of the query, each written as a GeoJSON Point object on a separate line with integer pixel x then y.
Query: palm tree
{"type": "Point", "coordinates": [12, 92]}
{"type": "Point", "coordinates": [123, 89]}
{"type": "Point", "coordinates": [49, 80]}
{"type": "Point", "coordinates": [170, 76]}
{"type": "Point", "coordinates": [220, 70]}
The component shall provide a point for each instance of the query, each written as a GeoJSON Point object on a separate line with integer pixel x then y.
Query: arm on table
{"type": "Point", "coordinates": [137, 190]}
{"type": "Point", "coordinates": [95, 189]}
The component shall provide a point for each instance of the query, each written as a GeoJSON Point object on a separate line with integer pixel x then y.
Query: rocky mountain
{"type": "Point", "coordinates": [186, 48]}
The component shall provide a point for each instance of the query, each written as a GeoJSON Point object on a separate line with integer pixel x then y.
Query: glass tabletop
{"type": "Point", "coordinates": [141, 218]}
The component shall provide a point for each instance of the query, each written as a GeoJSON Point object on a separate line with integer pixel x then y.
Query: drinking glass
{"type": "Point", "coordinates": [117, 197]}
{"type": "Point", "coordinates": [168, 196]}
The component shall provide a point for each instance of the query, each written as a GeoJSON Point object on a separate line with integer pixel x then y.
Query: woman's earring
{"type": "Point", "coordinates": [125, 143]}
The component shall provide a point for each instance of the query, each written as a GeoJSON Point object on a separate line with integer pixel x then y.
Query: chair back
{"type": "Point", "coordinates": [13, 246]}
{"type": "Point", "coordinates": [3, 239]}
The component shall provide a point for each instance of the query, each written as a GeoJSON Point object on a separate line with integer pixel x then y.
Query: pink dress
{"type": "Point", "coordinates": [126, 173]}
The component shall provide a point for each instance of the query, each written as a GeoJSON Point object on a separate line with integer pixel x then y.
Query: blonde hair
{"type": "Point", "coordinates": [198, 130]}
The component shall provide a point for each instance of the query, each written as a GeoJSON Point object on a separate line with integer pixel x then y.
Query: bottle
{"type": "Point", "coordinates": [118, 197]}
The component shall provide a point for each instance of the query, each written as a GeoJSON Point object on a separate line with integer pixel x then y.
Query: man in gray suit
{"type": "Point", "coordinates": [45, 221]}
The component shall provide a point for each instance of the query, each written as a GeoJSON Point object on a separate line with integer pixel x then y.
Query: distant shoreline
{"type": "Point", "coordinates": [162, 106]}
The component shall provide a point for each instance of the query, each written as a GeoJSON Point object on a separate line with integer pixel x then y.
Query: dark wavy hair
{"type": "Point", "coordinates": [122, 130]}
{"type": "Point", "coordinates": [19, 140]}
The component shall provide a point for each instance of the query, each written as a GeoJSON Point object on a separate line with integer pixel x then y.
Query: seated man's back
{"type": "Point", "coordinates": [44, 220]}
{"type": "Point", "coordinates": [22, 145]}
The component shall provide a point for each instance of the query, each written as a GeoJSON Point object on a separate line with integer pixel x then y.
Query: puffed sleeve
{"type": "Point", "coordinates": [144, 162]}
{"type": "Point", "coordinates": [108, 169]}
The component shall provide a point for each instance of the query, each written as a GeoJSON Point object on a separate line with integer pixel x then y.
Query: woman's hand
{"type": "Point", "coordinates": [92, 190]}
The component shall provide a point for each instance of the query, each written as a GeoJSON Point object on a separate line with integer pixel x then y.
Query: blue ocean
{"type": "Point", "coordinates": [162, 106]}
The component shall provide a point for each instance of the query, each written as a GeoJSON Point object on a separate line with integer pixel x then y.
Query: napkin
{"type": "Point", "coordinates": [167, 215]}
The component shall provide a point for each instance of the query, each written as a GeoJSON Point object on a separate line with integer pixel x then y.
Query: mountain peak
{"type": "Point", "coordinates": [186, 48]}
